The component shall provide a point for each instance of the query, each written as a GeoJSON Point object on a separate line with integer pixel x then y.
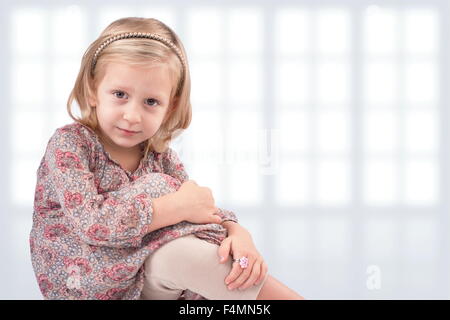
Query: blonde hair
{"type": "Point", "coordinates": [140, 52]}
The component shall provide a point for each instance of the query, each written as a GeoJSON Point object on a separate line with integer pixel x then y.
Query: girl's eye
{"type": "Point", "coordinates": [118, 94]}
{"type": "Point", "coordinates": [152, 102]}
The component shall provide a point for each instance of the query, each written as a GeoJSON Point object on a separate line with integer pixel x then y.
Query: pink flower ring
{"type": "Point", "coordinates": [243, 262]}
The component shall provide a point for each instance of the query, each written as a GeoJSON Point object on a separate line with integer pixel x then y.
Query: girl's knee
{"type": "Point", "coordinates": [156, 288]}
{"type": "Point", "coordinates": [173, 265]}
{"type": "Point", "coordinates": [178, 253]}
{"type": "Point", "coordinates": [185, 253]}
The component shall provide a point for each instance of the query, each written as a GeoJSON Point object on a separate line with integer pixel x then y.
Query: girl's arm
{"type": "Point", "coordinates": [190, 203]}
{"type": "Point", "coordinates": [163, 213]}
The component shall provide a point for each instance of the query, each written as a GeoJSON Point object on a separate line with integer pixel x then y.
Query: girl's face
{"type": "Point", "coordinates": [131, 103]}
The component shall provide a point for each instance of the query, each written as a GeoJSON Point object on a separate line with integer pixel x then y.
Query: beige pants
{"type": "Point", "coordinates": [190, 263]}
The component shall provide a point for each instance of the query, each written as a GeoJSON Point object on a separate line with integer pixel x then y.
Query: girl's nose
{"type": "Point", "coordinates": [132, 115]}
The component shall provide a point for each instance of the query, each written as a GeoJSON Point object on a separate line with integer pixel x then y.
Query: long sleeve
{"type": "Point", "coordinates": [173, 166]}
{"type": "Point", "coordinates": [115, 219]}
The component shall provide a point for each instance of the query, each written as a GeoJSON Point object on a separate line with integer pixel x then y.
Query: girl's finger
{"type": "Point", "coordinates": [216, 219]}
{"type": "Point", "coordinates": [224, 250]}
{"type": "Point", "coordinates": [256, 271]}
{"type": "Point", "coordinates": [236, 270]}
{"type": "Point", "coordinates": [244, 274]}
{"type": "Point", "coordinates": [264, 269]}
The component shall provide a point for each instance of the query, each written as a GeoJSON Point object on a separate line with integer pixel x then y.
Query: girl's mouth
{"type": "Point", "coordinates": [127, 132]}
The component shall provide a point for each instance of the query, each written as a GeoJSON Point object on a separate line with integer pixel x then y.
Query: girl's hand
{"type": "Point", "coordinates": [239, 244]}
{"type": "Point", "coordinates": [195, 204]}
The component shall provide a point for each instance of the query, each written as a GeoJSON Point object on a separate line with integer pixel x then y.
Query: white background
{"type": "Point", "coordinates": [321, 124]}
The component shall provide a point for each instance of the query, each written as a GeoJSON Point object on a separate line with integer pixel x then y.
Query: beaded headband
{"type": "Point", "coordinates": [128, 35]}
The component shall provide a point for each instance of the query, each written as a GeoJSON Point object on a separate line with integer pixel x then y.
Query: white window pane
{"type": "Point", "coordinates": [294, 131]}
{"type": "Point", "coordinates": [421, 31]}
{"type": "Point", "coordinates": [292, 31]}
{"type": "Point", "coordinates": [23, 180]}
{"type": "Point", "coordinates": [207, 137]}
{"type": "Point", "coordinates": [380, 239]}
{"type": "Point", "coordinates": [333, 31]}
{"type": "Point", "coordinates": [28, 31]}
{"type": "Point", "coordinates": [20, 227]}
{"type": "Point", "coordinates": [245, 82]}
{"type": "Point", "coordinates": [292, 183]}
{"type": "Point", "coordinates": [64, 75]}
{"type": "Point", "coordinates": [422, 130]}
{"type": "Point", "coordinates": [28, 83]}
{"type": "Point", "coordinates": [245, 184]}
{"type": "Point", "coordinates": [421, 182]}
{"type": "Point", "coordinates": [243, 134]}
{"type": "Point", "coordinates": [380, 31]}
{"type": "Point", "coordinates": [381, 185]}
{"type": "Point", "coordinates": [208, 175]}
{"type": "Point", "coordinates": [292, 83]}
{"type": "Point", "coordinates": [109, 14]}
{"type": "Point", "coordinates": [164, 14]}
{"type": "Point", "coordinates": [333, 184]}
{"type": "Point", "coordinates": [381, 132]}
{"type": "Point", "coordinates": [207, 84]}
{"type": "Point", "coordinates": [421, 278]}
{"type": "Point", "coordinates": [68, 29]}
{"type": "Point", "coordinates": [23, 123]}
{"type": "Point", "coordinates": [255, 226]}
{"type": "Point", "coordinates": [60, 118]}
{"type": "Point", "coordinates": [245, 31]}
{"type": "Point", "coordinates": [333, 279]}
{"type": "Point", "coordinates": [75, 109]}
{"type": "Point", "coordinates": [204, 31]}
{"type": "Point", "coordinates": [333, 132]}
{"type": "Point", "coordinates": [183, 145]}
{"type": "Point", "coordinates": [333, 239]}
{"type": "Point", "coordinates": [421, 239]}
{"type": "Point", "coordinates": [183, 148]}
{"type": "Point", "coordinates": [421, 83]}
{"type": "Point", "coordinates": [333, 83]}
{"type": "Point", "coordinates": [380, 83]}
{"type": "Point", "coordinates": [296, 231]}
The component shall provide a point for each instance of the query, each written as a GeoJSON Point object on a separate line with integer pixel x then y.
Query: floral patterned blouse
{"type": "Point", "coordinates": [91, 217]}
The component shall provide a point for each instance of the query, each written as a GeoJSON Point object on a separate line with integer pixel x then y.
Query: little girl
{"type": "Point", "coordinates": [115, 216]}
